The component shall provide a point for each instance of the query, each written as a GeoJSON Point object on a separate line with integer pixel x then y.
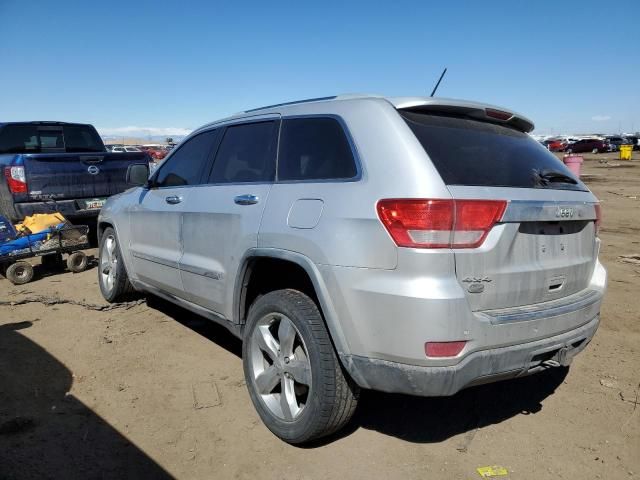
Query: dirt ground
{"type": "Point", "coordinates": [148, 390]}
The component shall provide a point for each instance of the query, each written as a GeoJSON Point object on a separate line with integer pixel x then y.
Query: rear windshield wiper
{"type": "Point", "coordinates": [546, 176]}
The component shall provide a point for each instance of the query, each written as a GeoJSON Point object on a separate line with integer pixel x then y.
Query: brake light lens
{"type": "Point", "coordinates": [437, 223]}
{"type": "Point", "coordinates": [598, 217]}
{"type": "Point", "coordinates": [16, 179]}
{"type": "Point", "coordinates": [443, 349]}
{"type": "Point", "coordinates": [498, 114]}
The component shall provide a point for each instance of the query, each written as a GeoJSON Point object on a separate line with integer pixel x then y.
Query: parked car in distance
{"type": "Point", "coordinates": [125, 149]}
{"type": "Point", "coordinates": [615, 142]}
{"type": "Point", "coordinates": [568, 141]}
{"type": "Point", "coordinates": [634, 140]}
{"type": "Point", "coordinates": [410, 245]}
{"type": "Point", "coordinates": [555, 145]}
{"type": "Point", "coordinates": [155, 152]}
{"type": "Point", "coordinates": [56, 166]}
{"type": "Point", "coordinates": [592, 145]}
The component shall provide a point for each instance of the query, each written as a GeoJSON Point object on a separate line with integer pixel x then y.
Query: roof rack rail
{"type": "Point", "coordinates": [318, 99]}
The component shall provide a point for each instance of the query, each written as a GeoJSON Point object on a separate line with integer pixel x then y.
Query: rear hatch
{"type": "Point", "coordinates": [77, 175]}
{"type": "Point", "coordinates": [544, 246]}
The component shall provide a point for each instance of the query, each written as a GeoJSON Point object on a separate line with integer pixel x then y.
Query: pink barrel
{"type": "Point", "coordinates": [573, 163]}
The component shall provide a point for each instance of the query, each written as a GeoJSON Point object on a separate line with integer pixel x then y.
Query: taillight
{"type": "Point", "coordinates": [498, 114]}
{"type": "Point", "coordinates": [598, 217]}
{"type": "Point", "coordinates": [16, 179]}
{"type": "Point", "coordinates": [425, 223]}
{"type": "Point", "coordinates": [443, 349]}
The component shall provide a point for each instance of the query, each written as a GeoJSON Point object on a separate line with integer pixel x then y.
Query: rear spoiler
{"type": "Point", "coordinates": [478, 111]}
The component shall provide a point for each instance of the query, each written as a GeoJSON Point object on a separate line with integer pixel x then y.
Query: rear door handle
{"type": "Point", "coordinates": [173, 199]}
{"type": "Point", "coordinates": [247, 199]}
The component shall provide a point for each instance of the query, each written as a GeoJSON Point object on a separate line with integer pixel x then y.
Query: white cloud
{"type": "Point", "coordinates": [600, 118]}
{"type": "Point", "coordinates": [134, 131]}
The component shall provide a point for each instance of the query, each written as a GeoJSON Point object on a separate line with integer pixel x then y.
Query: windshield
{"type": "Point", "coordinates": [35, 139]}
{"type": "Point", "coordinates": [471, 152]}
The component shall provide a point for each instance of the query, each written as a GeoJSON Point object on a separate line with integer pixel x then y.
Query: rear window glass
{"type": "Point", "coordinates": [470, 152]}
{"type": "Point", "coordinates": [247, 153]}
{"type": "Point", "coordinates": [35, 139]}
{"type": "Point", "coordinates": [80, 138]}
{"type": "Point", "coordinates": [314, 149]}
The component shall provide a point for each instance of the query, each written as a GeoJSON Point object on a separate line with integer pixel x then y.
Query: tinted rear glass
{"type": "Point", "coordinates": [80, 138]}
{"type": "Point", "coordinates": [470, 152]}
{"type": "Point", "coordinates": [314, 149]}
{"type": "Point", "coordinates": [35, 139]}
{"type": "Point", "coordinates": [247, 153]}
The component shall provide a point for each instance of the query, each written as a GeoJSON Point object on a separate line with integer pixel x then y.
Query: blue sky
{"type": "Point", "coordinates": [571, 66]}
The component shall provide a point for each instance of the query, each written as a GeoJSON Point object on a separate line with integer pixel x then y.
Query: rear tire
{"type": "Point", "coordinates": [595, 150]}
{"type": "Point", "coordinates": [287, 350]}
{"type": "Point", "coordinates": [112, 276]}
{"type": "Point", "coordinates": [77, 262]}
{"type": "Point", "coordinates": [19, 273]}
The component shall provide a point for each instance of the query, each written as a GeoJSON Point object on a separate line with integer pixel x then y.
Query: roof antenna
{"type": "Point", "coordinates": [438, 84]}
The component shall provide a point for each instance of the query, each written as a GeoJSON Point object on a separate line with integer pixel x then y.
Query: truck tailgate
{"type": "Point", "coordinates": [75, 175]}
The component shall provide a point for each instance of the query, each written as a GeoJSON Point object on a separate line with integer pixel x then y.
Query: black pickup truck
{"type": "Point", "coordinates": [58, 167]}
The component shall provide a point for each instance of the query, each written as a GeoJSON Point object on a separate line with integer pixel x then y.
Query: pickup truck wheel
{"type": "Point", "coordinates": [19, 273]}
{"type": "Point", "coordinates": [112, 277]}
{"type": "Point", "coordinates": [293, 375]}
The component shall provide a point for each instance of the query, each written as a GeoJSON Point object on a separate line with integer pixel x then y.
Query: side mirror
{"type": "Point", "coordinates": [137, 174]}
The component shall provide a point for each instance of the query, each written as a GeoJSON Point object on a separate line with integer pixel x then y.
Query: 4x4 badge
{"type": "Point", "coordinates": [477, 280]}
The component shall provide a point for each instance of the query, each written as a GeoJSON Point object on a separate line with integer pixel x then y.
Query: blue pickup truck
{"type": "Point", "coordinates": [56, 166]}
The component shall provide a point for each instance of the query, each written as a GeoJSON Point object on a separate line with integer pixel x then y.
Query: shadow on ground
{"type": "Point", "coordinates": [429, 420]}
{"type": "Point", "coordinates": [45, 433]}
{"type": "Point", "coordinates": [414, 419]}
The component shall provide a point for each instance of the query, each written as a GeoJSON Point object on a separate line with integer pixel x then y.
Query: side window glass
{"type": "Point", "coordinates": [247, 153]}
{"type": "Point", "coordinates": [314, 149]}
{"type": "Point", "coordinates": [185, 166]}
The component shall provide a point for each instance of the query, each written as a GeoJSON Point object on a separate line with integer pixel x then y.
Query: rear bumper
{"type": "Point", "coordinates": [68, 208]}
{"type": "Point", "coordinates": [480, 367]}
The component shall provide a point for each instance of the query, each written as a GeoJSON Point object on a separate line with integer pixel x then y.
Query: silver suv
{"type": "Point", "coordinates": [412, 245]}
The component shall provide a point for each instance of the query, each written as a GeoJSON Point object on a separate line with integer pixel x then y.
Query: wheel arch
{"type": "Point", "coordinates": [314, 276]}
{"type": "Point", "coordinates": [102, 226]}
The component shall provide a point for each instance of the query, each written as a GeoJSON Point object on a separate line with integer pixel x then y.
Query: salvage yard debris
{"type": "Point", "coordinates": [492, 471]}
{"type": "Point", "coordinates": [633, 259]}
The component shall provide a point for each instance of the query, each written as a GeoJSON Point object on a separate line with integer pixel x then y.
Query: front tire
{"type": "Point", "coordinates": [293, 375]}
{"type": "Point", "coordinates": [112, 276]}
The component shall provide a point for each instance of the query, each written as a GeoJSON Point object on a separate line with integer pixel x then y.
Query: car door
{"type": "Point", "coordinates": [156, 218]}
{"type": "Point", "coordinates": [221, 219]}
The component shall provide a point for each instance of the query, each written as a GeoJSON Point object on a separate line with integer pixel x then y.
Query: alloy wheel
{"type": "Point", "coordinates": [281, 370]}
{"type": "Point", "coordinates": [108, 263]}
